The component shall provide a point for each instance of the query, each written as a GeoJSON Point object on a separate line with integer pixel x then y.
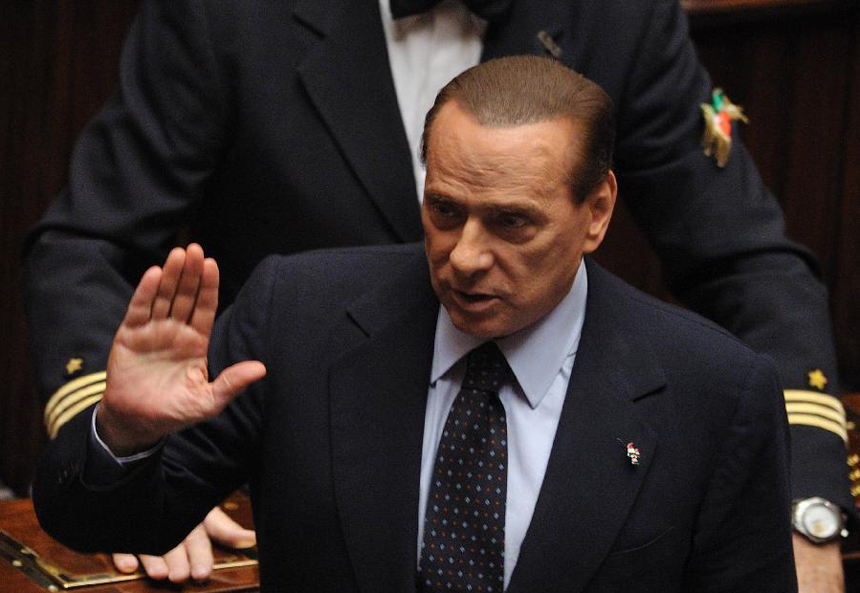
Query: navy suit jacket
{"type": "Point", "coordinates": [330, 442]}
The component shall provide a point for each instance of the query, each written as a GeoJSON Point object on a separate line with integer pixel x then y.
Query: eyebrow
{"type": "Point", "coordinates": [521, 209]}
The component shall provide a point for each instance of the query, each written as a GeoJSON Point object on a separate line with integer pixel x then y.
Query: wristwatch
{"type": "Point", "coordinates": [818, 520]}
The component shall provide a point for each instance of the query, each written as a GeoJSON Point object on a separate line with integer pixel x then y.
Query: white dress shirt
{"type": "Point", "coordinates": [541, 357]}
{"type": "Point", "coordinates": [425, 52]}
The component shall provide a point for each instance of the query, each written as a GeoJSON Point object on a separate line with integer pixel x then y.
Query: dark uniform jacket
{"type": "Point", "coordinates": [331, 443]}
{"type": "Point", "coordinates": [272, 126]}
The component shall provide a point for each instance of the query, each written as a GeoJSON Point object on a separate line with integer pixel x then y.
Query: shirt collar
{"type": "Point", "coordinates": [535, 354]}
{"type": "Point", "coordinates": [454, 12]}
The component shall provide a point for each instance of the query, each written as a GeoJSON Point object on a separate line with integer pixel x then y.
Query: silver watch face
{"type": "Point", "coordinates": [820, 521]}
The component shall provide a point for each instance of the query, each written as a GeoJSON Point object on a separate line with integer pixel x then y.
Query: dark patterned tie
{"type": "Point", "coordinates": [464, 526]}
{"type": "Point", "coordinates": [490, 10]}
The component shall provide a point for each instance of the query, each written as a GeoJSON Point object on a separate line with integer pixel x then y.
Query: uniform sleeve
{"type": "Point", "coordinates": [136, 174]}
{"type": "Point", "coordinates": [747, 508]}
{"type": "Point", "coordinates": [720, 235]}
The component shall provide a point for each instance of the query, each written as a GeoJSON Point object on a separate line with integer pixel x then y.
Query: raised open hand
{"type": "Point", "coordinates": [157, 378]}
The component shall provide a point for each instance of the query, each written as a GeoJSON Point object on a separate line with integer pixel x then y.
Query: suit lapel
{"type": "Point", "coordinates": [590, 484]}
{"type": "Point", "coordinates": [378, 402]}
{"type": "Point", "coordinates": [348, 79]}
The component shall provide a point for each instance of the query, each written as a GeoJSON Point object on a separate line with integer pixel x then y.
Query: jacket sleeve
{"type": "Point", "coordinates": [746, 506]}
{"type": "Point", "coordinates": [136, 174]}
{"type": "Point", "coordinates": [152, 507]}
{"type": "Point", "coordinates": [720, 236]}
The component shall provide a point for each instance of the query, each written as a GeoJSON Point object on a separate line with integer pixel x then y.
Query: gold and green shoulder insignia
{"type": "Point", "coordinates": [719, 115]}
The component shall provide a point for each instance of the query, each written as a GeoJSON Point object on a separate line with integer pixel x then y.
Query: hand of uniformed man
{"type": "Point", "coordinates": [193, 557]}
{"type": "Point", "coordinates": [157, 377]}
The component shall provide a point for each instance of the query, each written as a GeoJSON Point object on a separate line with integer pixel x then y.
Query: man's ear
{"type": "Point", "coordinates": [600, 203]}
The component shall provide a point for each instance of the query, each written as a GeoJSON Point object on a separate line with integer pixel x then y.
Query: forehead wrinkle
{"type": "Point", "coordinates": [503, 172]}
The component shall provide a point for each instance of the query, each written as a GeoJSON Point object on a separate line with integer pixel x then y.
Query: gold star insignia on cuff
{"type": "Point", "coordinates": [817, 379]}
{"type": "Point", "coordinates": [74, 365]}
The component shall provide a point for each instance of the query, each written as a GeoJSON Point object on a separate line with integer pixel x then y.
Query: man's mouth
{"type": "Point", "coordinates": [474, 297]}
{"type": "Point", "coordinates": [473, 300]}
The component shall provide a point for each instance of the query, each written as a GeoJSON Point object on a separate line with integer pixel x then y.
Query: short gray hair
{"type": "Point", "coordinates": [520, 90]}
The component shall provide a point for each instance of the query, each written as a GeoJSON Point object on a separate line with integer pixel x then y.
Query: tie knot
{"type": "Point", "coordinates": [486, 369]}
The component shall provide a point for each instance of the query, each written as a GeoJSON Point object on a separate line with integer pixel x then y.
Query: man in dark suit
{"type": "Point", "coordinates": [278, 127]}
{"type": "Point", "coordinates": [636, 446]}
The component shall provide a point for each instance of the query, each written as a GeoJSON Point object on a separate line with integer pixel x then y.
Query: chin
{"type": "Point", "coordinates": [479, 328]}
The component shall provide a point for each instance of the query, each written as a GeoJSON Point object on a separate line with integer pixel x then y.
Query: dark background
{"type": "Point", "coordinates": [794, 65]}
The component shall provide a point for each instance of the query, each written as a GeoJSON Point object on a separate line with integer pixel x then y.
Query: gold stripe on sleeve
{"type": "Point", "coordinates": [818, 422]}
{"type": "Point", "coordinates": [71, 412]}
{"type": "Point", "coordinates": [800, 395]}
{"type": "Point", "coordinates": [72, 399]}
{"type": "Point", "coordinates": [71, 386]}
{"type": "Point", "coordinates": [803, 408]}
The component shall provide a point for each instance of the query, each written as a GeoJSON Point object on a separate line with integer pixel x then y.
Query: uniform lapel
{"type": "Point", "coordinates": [590, 484]}
{"type": "Point", "coordinates": [522, 33]}
{"type": "Point", "coordinates": [378, 400]}
{"type": "Point", "coordinates": [348, 79]}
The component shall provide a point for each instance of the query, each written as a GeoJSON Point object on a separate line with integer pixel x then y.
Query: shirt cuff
{"type": "Point", "coordinates": [103, 467]}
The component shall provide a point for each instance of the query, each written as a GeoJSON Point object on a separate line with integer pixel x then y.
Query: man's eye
{"type": "Point", "coordinates": [443, 209]}
{"type": "Point", "coordinates": [512, 221]}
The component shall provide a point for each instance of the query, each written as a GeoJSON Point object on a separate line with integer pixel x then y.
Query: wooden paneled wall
{"type": "Point", "coordinates": [58, 64]}
{"type": "Point", "coordinates": [796, 68]}
{"type": "Point", "coordinates": [793, 64]}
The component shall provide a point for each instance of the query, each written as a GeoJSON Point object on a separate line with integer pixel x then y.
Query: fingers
{"type": "Point", "coordinates": [177, 290]}
{"type": "Point", "coordinates": [207, 298]}
{"type": "Point", "coordinates": [178, 567]}
{"type": "Point", "coordinates": [192, 558]}
{"type": "Point", "coordinates": [189, 281]}
{"type": "Point", "coordinates": [170, 274]}
{"type": "Point", "coordinates": [198, 550]}
{"type": "Point", "coordinates": [234, 379]}
{"type": "Point", "coordinates": [185, 289]}
{"type": "Point", "coordinates": [226, 531]}
{"type": "Point", "coordinates": [175, 565]}
{"type": "Point", "coordinates": [140, 307]}
{"type": "Point", "coordinates": [155, 567]}
{"type": "Point", "coordinates": [126, 563]}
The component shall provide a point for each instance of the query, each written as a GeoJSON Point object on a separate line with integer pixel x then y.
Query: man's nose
{"type": "Point", "coordinates": [471, 255]}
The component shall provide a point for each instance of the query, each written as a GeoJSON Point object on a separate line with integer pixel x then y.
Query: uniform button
{"type": "Point", "coordinates": [66, 474]}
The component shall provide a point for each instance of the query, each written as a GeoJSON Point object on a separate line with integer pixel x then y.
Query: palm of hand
{"type": "Point", "coordinates": [157, 378]}
{"type": "Point", "coordinates": [159, 373]}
